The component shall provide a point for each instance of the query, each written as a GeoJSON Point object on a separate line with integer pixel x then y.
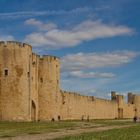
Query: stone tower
{"type": "Point", "coordinates": [15, 81]}
{"type": "Point", "coordinates": [49, 91]}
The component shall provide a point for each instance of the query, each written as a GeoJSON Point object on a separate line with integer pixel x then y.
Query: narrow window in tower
{"type": "Point", "coordinates": [41, 80]}
{"type": "Point", "coordinates": [28, 74]}
{"type": "Point", "coordinates": [6, 72]}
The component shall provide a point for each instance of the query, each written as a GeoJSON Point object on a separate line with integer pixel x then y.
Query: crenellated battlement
{"type": "Point", "coordinates": [14, 43]}
{"type": "Point", "coordinates": [72, 93]}
{"type": "Point", "coordinates": [20, 44]}
{"type": "Point", "coordinates": [50, 57]}
{"type": "Point", "coordinates": [75, 96]}
{"type": "Point", "coordinates": [90, 98]}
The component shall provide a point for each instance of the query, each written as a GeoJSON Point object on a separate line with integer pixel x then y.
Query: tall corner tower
{"type": "Point", "coordinates": [15, 81]}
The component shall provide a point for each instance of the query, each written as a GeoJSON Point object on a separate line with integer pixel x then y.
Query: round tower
{"type": "Point", "coordinates": [15, 84]}
{"type": "Point", "coordinates": [137, 105]}
{"type": "Point", "coordinates": [49, 91]}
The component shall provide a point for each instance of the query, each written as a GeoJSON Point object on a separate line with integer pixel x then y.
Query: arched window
{"type": "Point", "coordinates": [6, 72]}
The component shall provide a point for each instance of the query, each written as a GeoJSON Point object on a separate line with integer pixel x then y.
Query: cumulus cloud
{"type": "Point", "coordinates": [6, 38]}
{"type": "Point", "coordinates": [85, 31]}
{"type": "Point", "coordinates": [81, 74]}
{"type": "Point", "coordinates": [84, 61]}
{"type": "Point", "coordinates": [41, 26]}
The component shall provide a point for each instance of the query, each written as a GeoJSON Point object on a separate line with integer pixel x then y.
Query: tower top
{"type": "Point", "coordinates": [20, 44]}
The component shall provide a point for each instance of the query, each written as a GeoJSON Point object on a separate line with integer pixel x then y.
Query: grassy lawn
{"type": "Point", "coordinates": [131, 133]}
{"type": "Point", "coordinates": [11, 129]}
{"type": "Point", "coordinates": [113, 122]}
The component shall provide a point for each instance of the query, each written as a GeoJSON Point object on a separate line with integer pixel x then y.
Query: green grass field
{"type": "Point", "coordinates": [9, 129]}
{"type": "Point", "coordinates": [12, 129]}
{"type": "Point", "coordinates": [131, 133]}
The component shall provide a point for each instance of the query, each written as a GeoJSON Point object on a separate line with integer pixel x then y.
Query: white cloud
{"type": "Point", "coordinates": [41, 26]}
{"type": "Point", "coordinates": [27, 14]}
{"type": "Point", "coordinates": [6, 38]}
{"type": "Point", "coordinates": [84, 61]}
{"type": "Point", "coordinates": [21, 14]}
{"type": "Point", "coordinates": [85, 31]}
{"type": "Point", "coordinates": [81, 74]}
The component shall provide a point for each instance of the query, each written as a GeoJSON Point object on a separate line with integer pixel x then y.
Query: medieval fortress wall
{"type": "Point", "coordinates": [75, 106]}
{"type": "Point", "coordinates": [30, 90]}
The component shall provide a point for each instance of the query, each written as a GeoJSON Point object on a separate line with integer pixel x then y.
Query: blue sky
{"type": "Point", "coordinates": [98, 41]}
